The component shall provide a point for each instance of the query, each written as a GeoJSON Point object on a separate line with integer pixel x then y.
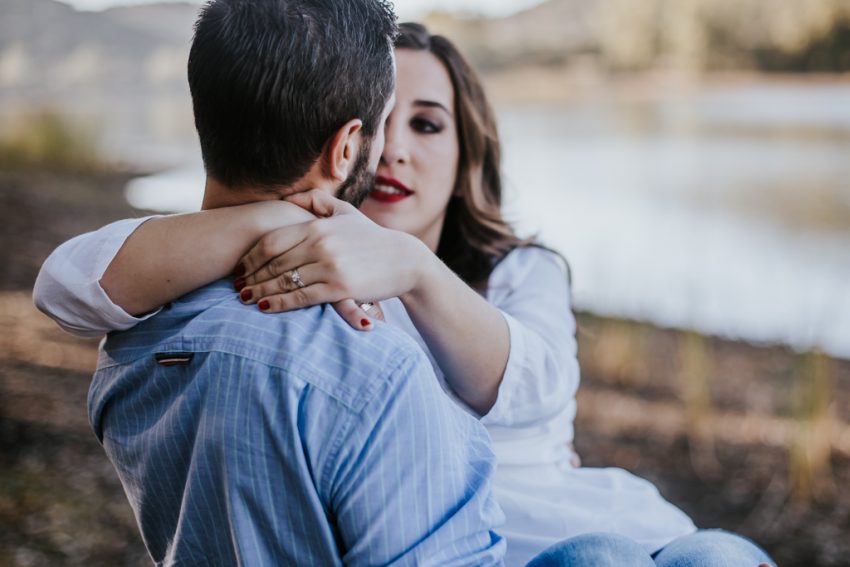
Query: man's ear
{"type": "Point", "coordinates": [341, 152]}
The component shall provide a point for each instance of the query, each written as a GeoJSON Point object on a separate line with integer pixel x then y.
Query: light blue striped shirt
{"type": "Point", "coordinates": [250, 439]}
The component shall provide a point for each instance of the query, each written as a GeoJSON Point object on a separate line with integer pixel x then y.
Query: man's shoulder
{"type": "Point", "coordinates": [313, 345]}
{"type": "Point", "coordinates": [315, 333]}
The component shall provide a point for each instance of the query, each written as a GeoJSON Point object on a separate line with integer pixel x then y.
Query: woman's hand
{"type": "Point", "coordinates": [341, 256]}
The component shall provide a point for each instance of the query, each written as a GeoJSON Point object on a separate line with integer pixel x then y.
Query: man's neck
{"type": "Point", "coordinates": [218, 195]}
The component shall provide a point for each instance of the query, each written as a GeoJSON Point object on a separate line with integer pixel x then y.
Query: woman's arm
{"type": "Point", "coordinates": [517, 347]}
{"type": "Point", "coordinates": [67, 288]}
{"type": "Point", "coordinates": [469, 338]}
{"type": "Point", "coordinates": [170, 256]}
{"type": "Point", "coordinates": [99, 281]}
{"type": "Point", "coordinates": [531, 289]}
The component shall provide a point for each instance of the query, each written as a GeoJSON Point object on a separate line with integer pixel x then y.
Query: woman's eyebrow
{"type": "Point", "coordinates": [432, 104]}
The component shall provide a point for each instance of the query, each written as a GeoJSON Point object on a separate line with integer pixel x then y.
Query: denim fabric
{"type": "Point", "coordinates": [706, 548]}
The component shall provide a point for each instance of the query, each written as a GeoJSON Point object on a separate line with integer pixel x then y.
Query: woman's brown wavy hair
{"type": "Point", "coordinates": [475, 236]}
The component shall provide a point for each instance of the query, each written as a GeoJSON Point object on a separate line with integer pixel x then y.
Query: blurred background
{"type": "Point", "coordinates": [691, 158]}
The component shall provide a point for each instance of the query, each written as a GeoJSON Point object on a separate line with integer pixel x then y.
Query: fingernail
{"type": "Point", "coordinates": [264, 305]}
{"type": "Point", "coordinates": [239, 271]}
{"type": "Point", "coordinates": [246, 295]}
{"type": "Point", "coordinates": [365, 322]}
{"type": "Point", "coordinates": [239, 284]}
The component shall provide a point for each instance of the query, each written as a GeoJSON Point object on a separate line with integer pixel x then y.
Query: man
{"type": "Point", "coordinates": [243, 438]}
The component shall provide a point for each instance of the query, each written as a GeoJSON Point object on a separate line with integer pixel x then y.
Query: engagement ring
{"type": "Point", "coordinates": [295, 277]}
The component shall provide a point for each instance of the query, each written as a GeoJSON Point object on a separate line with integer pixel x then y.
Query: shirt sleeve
{"type": "Point", "coordinates": [68, 286]}
{"type": "Point", "coordinates": [531, 289]}
{"type": "Point", "coordinates": [412, 484]}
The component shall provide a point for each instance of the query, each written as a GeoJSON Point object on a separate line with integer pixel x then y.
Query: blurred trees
{"type": "Point", "coordinates": [683, 35]}
{"type": "Point", "coordinates": [812, 35]}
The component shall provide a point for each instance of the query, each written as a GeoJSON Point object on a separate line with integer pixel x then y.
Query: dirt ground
{"type": "Point", "coordinates": [746, 438]}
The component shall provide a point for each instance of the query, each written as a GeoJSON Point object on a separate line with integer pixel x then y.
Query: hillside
{"type": "Point", "coordinates": [48, 49]}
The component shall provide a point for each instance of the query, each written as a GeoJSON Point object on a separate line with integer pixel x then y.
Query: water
{"type": "Point", "coordinates": [725, 210]}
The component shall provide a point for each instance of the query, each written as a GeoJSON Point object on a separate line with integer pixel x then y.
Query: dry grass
{"type": "Point", "coordinates": [45, 139]}
{"type": "Point", "coordinates": [669, 384]}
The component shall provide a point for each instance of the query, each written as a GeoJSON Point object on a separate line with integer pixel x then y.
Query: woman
{"type": "Point", "coordinates": [492, 310]}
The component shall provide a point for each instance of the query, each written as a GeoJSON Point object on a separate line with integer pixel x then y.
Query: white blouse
{"type": "Point", "coordinates": [544, 496]}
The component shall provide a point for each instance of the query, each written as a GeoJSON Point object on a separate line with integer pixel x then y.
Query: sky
{"type": "Point", "coordinates": [405, 8]}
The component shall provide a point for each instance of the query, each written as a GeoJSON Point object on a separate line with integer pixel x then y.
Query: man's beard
{"type": "Point", "coordinates": [360, 181]}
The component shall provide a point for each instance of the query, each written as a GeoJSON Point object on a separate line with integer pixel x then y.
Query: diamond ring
{"type": "Point", "coordinates": [295, 278]}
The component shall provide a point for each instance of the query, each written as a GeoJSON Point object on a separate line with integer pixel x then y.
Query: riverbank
{"type": "Point", "coordinates": [747, 438]}
{"type": "Point", "coordinates": [575, 81]}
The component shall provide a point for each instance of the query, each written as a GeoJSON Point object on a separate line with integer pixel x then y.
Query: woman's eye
{"type": "Point", "coordinates": [425, 126]}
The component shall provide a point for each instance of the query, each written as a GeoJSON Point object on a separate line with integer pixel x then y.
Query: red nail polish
{"type": "Point", "coordinates": [239, 284]}
{"type": "Point", "coordinates": [365, 322]}
{"type": "Point", "coordinates": [264, 305]}
{"type": "Point", "coordinates": [246, 295]}
{"type": "Point", "coordinates": [239, 271]}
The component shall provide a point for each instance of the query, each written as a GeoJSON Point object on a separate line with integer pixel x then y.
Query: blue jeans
{"type": "Point", "coordinates": [706, 548]}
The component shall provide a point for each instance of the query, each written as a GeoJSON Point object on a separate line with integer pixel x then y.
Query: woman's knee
{"type": "Point", "coordinates": [596, 549]}
{"type": "Point", "coordinates": [711, 548]}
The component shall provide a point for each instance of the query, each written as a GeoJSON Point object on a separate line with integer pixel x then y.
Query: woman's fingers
{"type": "Point", "coordinates": [272, 245]}
{"type": "Point", "coordinates": [320, 203]}
{"type": "Point", "coordinates": [353, 314]}
{"type": "Point", "coordinates": [297, 299]}
{"type": "Point", "coordinates": [373, 310]}
{"type": "Point", "coordinates": [279, 267]}
{"type": "Point", "coordinates": [286, 282]}
{"type": "Point", "coordinates": [351, 311]}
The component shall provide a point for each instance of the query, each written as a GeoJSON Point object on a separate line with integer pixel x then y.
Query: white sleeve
{"type": "Point", "coordinates": [68, 285]}
{"type": "Point", "coordinates": [531, 289]}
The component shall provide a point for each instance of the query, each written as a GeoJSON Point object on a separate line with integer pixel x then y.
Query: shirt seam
{"type": "Point", "coordinates": [396, 363]}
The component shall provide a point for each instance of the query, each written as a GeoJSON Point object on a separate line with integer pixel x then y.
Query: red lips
{"type": "Point", "coordinates": [379, 194]}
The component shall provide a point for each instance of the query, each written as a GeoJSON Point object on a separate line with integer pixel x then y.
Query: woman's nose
{"type": "Point", "coordinates": [395, 148]}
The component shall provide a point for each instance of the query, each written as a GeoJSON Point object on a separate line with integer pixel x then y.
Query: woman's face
{"type": "Point", "coordinates": [417, 171]}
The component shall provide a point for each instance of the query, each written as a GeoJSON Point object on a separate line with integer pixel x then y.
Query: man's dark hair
{"type": "Point", "coordinates": [273, 80]}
